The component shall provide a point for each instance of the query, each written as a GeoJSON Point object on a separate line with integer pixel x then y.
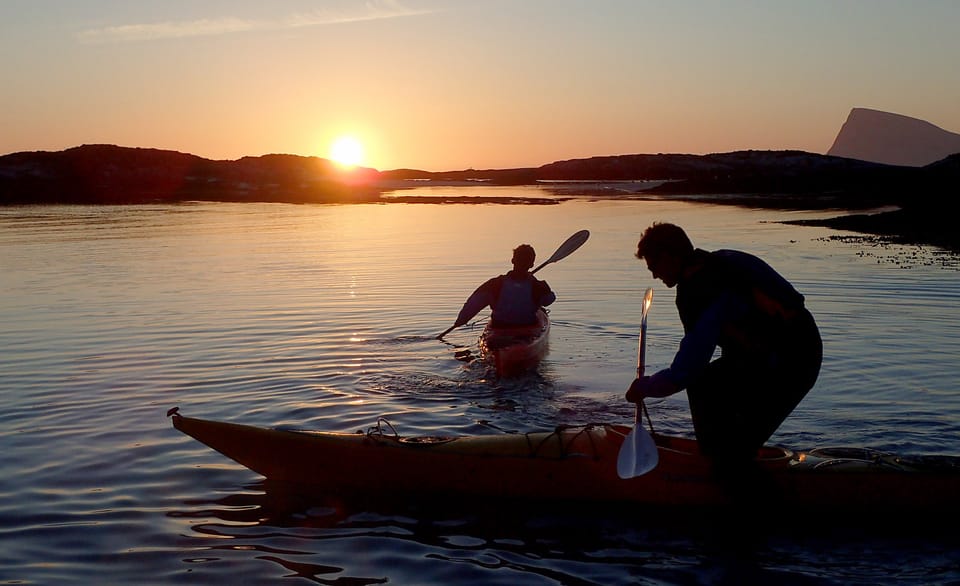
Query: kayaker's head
{"type": "Point", "coordinates": [667, 250]}
{"type": "Point", "coordinates": [523, 257]}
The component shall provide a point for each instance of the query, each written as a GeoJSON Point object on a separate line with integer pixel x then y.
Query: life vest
{"type": "Point", "coordinates": [515, 300]}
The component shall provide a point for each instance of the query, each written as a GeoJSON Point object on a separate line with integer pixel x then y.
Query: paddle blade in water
{"type": "Point", "coordinates": [638, 454]}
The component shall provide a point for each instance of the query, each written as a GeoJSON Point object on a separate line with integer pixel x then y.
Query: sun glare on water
{"type": "Point", "coordinates": [346, 151]}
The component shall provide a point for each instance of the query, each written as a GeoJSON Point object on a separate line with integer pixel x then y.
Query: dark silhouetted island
{"type": "Point", "coordinates": [108, 174]}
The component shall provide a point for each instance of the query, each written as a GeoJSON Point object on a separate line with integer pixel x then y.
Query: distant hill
{"type": "Point", "coordinates": [109, 174]}
{"type": "Point", "coordinates": [882, 137]}
{"type": "Point", "coordinates": [795, 179]}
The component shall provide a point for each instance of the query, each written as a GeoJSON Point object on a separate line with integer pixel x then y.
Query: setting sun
{"type": "Point", "coordinates": [346, 151]}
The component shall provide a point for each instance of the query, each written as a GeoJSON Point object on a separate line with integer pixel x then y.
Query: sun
{"type": "Point", "coordinates": [346, 151]}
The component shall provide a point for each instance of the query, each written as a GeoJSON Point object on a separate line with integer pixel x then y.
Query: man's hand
{"type": "Point", "coordinates": [637, 390]}
{"type": "Point", "coordinates": [656, 385]}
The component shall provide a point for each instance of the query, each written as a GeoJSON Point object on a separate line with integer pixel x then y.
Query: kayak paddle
{"type": "Point", "coordinates": [566, 249]}
{"type": "Point", "coordinates": [638, 454]}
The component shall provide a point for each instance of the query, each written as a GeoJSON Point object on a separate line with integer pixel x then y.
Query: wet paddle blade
{"type": "Point", "coordinates": [638, 454]}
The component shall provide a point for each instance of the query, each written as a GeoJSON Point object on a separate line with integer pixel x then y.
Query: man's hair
{"type": "Point", "coordinates": [523, 256]}
{"type": "Point", "coordinates": [662, 237]}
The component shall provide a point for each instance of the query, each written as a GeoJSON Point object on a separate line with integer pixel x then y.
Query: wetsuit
{"type": "Point", "coordinates": [770, 351]}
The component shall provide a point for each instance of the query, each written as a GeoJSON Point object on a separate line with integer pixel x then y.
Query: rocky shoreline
{"type": "Point", "coordinates": [917, 226]}
{"type": "Point", "coordinates": [899, 226]}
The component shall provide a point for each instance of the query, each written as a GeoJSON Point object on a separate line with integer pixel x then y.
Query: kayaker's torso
{"type": "Point", "coordinates": [515, 298]}
{"type": "Point", "coordinates": [736, 301]}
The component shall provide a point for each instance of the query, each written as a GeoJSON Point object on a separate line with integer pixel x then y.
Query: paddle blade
{"type": "Point", "coordinates": [638, 454]}
{"type": "Point", "coordinates": [569, 246]}
{"type": "Point", "coordinates": [645, 308]}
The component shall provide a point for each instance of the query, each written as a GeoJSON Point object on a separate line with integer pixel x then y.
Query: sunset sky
{"type": "Point", "coordinates": [454, 84]}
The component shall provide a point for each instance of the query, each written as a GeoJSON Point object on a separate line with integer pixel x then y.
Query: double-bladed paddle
{"type": "Point", "coordinates": [566, 249]}
{"type": "Point", "coordinates": [638, 454]}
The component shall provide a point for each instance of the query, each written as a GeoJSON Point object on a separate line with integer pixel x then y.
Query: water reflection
{"type": "Point", "coordinates": [324, 317]}
{"type": "Point", "coordinates": [430, 543]}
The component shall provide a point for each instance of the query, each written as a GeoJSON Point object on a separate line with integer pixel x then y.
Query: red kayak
{"type": "Point", "coordinates": [515, 350]}
{"type": "Point", "coordinates": [579, 464]}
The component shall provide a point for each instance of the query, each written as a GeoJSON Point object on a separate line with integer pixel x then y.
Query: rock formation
{"type": "Point", "coordinates": [893, 139]}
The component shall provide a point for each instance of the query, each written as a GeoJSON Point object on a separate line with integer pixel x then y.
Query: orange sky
{"type": "Point", "coordinates": [454, 84]}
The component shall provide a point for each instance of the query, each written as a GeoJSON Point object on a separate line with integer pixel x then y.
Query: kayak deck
{"type": "Point", "coordinates": [570, 464]}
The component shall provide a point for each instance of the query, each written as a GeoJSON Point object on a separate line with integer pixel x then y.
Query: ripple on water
{"type": "Point", "coordinates": [325, 316]}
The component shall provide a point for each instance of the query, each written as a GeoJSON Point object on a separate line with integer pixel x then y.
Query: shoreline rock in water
{"type": "Point", "coordinates": [898, 226]}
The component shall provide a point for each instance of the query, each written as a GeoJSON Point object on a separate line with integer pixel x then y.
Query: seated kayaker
{"type": "Point", "coordinates": [514, 297]}
{"type": "Point", "coordinates": [770, 346]}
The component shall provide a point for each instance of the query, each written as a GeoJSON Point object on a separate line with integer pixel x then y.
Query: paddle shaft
{"type": "Point", "coordinates": [642, 348]}
{"type": "Point", "coordinates": [642, 345]}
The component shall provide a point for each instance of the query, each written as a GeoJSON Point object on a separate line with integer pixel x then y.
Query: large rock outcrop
{"type": "Point", "coordinates": [893, 139]}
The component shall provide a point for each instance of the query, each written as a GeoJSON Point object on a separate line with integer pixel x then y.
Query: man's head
{"type": "Point", "coordinates": [523, 257]}
{"type": "Point", "coordinates": [666, 249]}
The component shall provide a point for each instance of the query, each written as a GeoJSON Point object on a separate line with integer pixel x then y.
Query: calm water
{"type": "Point", "coordinates": [325, 316]}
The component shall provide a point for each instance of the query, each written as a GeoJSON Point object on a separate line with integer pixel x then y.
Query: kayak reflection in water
{"type": "Point", "coordinates": [513, 297]}
{"type": "Point", "coordinates": [770, 346]}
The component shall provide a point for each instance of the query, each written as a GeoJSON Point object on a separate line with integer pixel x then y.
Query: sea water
{"type": "Point", "coordinates": [325, 317]}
